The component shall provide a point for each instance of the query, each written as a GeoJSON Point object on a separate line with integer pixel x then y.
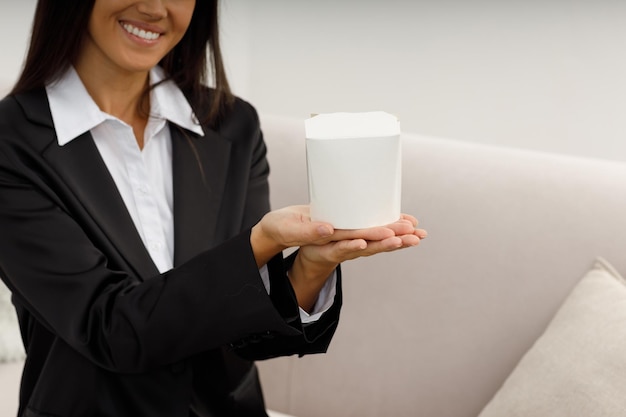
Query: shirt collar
{"type": "Point", "coordinates": [74, 112]}
{"type": "Point", "coordinates": [168, 102]}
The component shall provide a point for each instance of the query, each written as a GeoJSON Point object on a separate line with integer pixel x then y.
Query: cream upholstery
{"type": "Point", "coordinates": [435, 330]}
{"type": "Point", "coordinates": [9, 387]}
{"type": "Point", "coordinates": [577, 367]}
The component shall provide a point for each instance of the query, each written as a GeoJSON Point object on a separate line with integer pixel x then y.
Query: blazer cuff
{"type": "Point", "coordinates": [284, 298]}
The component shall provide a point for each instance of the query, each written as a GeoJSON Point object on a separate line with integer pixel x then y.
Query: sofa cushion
{"type": "Point", "coordinates": [578, 366]}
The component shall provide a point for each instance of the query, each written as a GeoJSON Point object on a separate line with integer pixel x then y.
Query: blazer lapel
{"type": "Point", "coordinates": [82, 169]}
{"type": "Point", "coordinates": [200, 167]}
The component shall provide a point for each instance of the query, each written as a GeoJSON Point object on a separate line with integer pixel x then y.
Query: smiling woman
{"type": "Point", "coordinates": [145, 266]}
{"type": "Point", "coordinates": [60, 29]}
{"type": "Point", "coordinates": [126, 39]}
{"type": "Point", "coordinates": [130, 36]}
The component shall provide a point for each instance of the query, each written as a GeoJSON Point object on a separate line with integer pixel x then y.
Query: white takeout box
{"type": "Point", "coordinates": [354, 168]}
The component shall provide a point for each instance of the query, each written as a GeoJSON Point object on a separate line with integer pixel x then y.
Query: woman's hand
{"type": "Point", "coordinates": [315, 263]}
{"type": "Point", "coordinates": [292, 227]}
{"type": "Point", "coordinates": [322, 248]}
{"type": "Point", "coordinates": [349, 244]}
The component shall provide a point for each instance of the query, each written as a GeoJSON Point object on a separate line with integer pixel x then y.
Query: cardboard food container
{"type": "Point", "coordinates": [354, 168]}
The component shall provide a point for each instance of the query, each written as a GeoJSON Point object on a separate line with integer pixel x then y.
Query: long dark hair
{"type": "Point", "coordinates": [60, 26]}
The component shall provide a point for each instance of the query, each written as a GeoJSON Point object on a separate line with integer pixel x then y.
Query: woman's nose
{"type": "Point", "coordinates": [155, 9]}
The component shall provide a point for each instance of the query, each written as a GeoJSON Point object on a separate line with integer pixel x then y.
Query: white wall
{"type": "Point", "coordinates": [235, 39]}
{"type": "Point", "coordinates": [15, 23]}
{"type": "Point", "coordinates": [548, 75]}
{"type": "Point", "coordinates": [539, 74]}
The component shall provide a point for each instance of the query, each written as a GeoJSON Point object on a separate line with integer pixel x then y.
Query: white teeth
{"type": "Point", "coordinates": [143, 34]}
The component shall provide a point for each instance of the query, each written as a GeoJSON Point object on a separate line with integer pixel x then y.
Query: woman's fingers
{"type": "Point", "coordinates": [410, 218]}
{"type": "Point", "coordinates": [404, 226]}
{"type": "Point", "coordinates": [369, 234]}
{"type": "Point", "coordinates": [292, 226]}
{"type": "Point", "coordinates": [421, 233]}
{"type": "Point", "coordinates": [338, 252]}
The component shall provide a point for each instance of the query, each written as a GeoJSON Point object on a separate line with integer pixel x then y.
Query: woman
{"type": "Point", "coordinates": [145, 266]}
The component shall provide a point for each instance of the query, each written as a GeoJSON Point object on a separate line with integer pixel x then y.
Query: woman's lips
{"type": "Point", "coordinates": [145, 34]}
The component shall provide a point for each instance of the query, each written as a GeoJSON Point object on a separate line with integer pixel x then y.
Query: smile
{"type": "Point", "coordinates": [140, 33]}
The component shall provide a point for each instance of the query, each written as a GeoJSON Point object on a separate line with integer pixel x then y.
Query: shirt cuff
{"type": "Point", "coordinates": [324, 301]}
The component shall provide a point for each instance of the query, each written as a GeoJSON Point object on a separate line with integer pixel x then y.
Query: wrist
{"type": "Point", "coordinates": [311, 270]}
{"type": "Point", "coordinates": [307, 279]}
{"type": "Point", "coordinates": [263, 246]}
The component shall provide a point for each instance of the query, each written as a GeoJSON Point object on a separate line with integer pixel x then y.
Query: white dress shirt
{"type": "Point", "coordinates": [142, 176]}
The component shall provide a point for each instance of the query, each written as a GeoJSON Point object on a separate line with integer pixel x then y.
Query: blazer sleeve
{"type": "Point", "coordinates": [313, 337]}
{"type": "Point", "coordinates": [117, 320]}
{"type": "Point", "coordinates": [114, 319]}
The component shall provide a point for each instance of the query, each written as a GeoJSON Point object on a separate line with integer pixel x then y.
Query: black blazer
{"type": "Point", "coordinates": [105, 333]}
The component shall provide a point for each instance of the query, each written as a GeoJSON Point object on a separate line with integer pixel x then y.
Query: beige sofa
{"type": "Point", "coordinates": [434, 331]}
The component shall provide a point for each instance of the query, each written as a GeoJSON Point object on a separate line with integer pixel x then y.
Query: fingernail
{"type": "Point", "coordinates": [324, 231]}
